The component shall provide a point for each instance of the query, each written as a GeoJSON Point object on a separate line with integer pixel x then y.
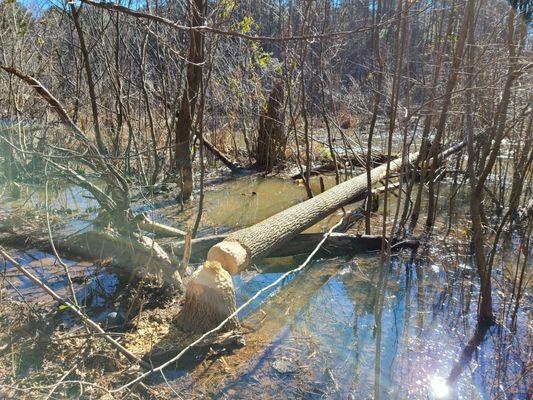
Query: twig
{"type": "Point", "coordinates": [59, 382]}
{"type": "Point", "coordinates": [76, 382]}
{"type": "Point", "coordinates": [92, 334]}
{"type": "Point", "coordinates": [59, 260]}
{"type": "Point", "coordinates": [231, 33]}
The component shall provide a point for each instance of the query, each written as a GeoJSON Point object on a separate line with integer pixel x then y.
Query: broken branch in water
{"type": "Point", "coordinates": [146, 224]}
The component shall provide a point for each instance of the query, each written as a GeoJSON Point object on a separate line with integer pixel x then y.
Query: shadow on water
{"type": "Point", "coordinates": [475, 341]}
{"type": "Point", "coordinates": [351, 340]}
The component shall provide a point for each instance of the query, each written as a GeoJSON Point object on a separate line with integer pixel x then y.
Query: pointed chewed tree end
{"type": "Point", "coordinates": [209, 300]}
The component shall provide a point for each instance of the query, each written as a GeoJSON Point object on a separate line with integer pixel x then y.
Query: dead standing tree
{"type": "Point", "coordinates": [184, 124]}
{"type": "Point", "coordinates": [271, 140]}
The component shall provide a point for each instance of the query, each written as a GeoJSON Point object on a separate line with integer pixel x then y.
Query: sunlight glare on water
{"type": "Point", "coordinates": [439, 387]}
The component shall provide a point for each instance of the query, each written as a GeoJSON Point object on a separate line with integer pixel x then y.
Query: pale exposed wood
{"type": "Point", "coordinates": [211, 376]}
{"type": "Point", "coordinates": [231, 254]}
{"type": "Point", "coordinates": [209, 300]}
{"type": "Point", "coordinates": [146, 224]}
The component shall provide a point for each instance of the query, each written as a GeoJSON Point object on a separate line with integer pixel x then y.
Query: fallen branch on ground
{"type": "Point", "coordinates": [86, 320]}
{"type": "Point", "coordinates": [234, 167]}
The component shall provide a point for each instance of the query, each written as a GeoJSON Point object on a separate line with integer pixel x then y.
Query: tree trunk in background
{"type": "Point", "coordinates": [89, 76]}
{"type": "Point", "coordinates": [483, 157]}
{"type": "Point", "coordinates": [466, 24]}
{"type": "Point", "coordinates": [375, 111]}
{"type": "Point", "coordinates": [6, 152]}
{"type": "Point", "coordinates": [271, 140]}
{"type": "Point", "coordinates": [182, 152]}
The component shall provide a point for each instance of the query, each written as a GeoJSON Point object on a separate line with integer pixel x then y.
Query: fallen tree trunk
{"type": "Point", "coordinates": [233, 256]}
{"type": "Point", "coordinates": [234, 167]}
{"type": "Point", "coordinates": [237, 251]}
{"type": "Point", "coordinates": [344, 162]}
{"type": "Point", "coordinates": [133, 253]}
{"type": "Point", "coordinates": [137, 253]}
{"type": "Point", "coordinates": [200, 247]}
{"type": "Point", "coordinates": [240, 248]}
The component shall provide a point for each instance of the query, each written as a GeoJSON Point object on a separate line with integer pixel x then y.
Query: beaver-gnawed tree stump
{"type": "Point", "coordinates": [209, 300]}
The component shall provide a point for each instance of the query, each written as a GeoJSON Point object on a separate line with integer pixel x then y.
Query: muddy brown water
{"type": "Point", "coordinates": [366, 331]}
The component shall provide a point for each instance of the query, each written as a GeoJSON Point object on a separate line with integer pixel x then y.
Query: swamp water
{"type": "Point", "coordinates": [350, 328]}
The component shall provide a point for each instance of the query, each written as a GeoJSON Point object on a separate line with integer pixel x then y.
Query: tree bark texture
{"type": "Point", "coordinates": [271, 140]}
{"type": "Point", "coordinates": [182, 152]}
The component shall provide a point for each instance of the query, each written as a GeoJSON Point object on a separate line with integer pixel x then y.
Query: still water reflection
{"type": "Point", "coordinates": [358, 329]}
{"type": "Point", "coordinates": [351, 340]}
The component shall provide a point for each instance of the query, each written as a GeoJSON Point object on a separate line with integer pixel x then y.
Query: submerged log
{"type": "Point", "coordinates": [337, 244]}
{"type": "Point", "coordinates": [135, 252]}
